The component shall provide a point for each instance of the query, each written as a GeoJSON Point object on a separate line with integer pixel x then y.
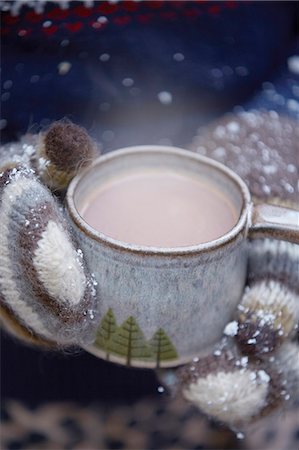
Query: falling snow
{"type": "Point", "coordinates": [3, 124]}
{"type": "Point", "coordinates": [293, 64]}
{"type": "Point", "coordinates": [128, 82]}
{"type": "Point", "coordinates": [7, 84]}
{"type": "Point", "coordinates": [47, 24]}
{"type": "Point", "coordinates": [64, 67]}
{"type": "Point", "coordinates": [263, 376]}
{"type": "Point", "coordinates": [104, 57]}
{"type": "Point", "coordinates": [165, 97]}
{"type": "Point", "coordinates": [179, 57]}
{"type": "Point", "coordinates": [231, 328]}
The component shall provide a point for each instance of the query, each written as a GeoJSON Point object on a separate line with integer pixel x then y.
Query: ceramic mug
{"type": "Point", "coordinates": [160, 307]}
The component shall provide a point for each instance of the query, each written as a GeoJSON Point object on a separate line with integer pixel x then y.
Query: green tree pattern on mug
{"type": "Point", "coordinates": [128, 341]}
{"type": "Point", "coordinates": [162, 347]}
{"type": "Point", "coordinates": [107, 327]}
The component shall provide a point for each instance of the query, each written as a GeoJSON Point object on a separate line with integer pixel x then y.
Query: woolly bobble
{"type": "Point", "coordinates": [46, 293]}
{"type": "Point", "coordinates": [61, 152]}
{"type": "Point", "coordinates": [227, 387]}
{"type": "Point", "coordinates": [268, 315]}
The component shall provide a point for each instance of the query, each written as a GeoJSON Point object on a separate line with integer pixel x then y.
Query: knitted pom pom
{"type": "Point", "coordinates": [46, 293]}
{"type": "Point", "coordinates": [268, 315]}
{"type": "Point", "coordinates": [229, 388]}
{"type": "Point", "coordinates": [62, 151]}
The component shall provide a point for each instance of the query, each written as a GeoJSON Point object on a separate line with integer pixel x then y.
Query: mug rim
{"type": "Point", "coordinates": [151, 250]}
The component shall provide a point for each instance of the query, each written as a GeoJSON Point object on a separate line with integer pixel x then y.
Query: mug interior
{"type": "Point", "coordinates": [129, 160]}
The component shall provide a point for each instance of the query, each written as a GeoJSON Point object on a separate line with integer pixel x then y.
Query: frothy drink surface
{"type": "Point", "coordinates": [159, 209]}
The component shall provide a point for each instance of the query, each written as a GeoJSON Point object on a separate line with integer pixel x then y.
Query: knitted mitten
{"type": "Point", "coordinates": [262, 372]}
{"type": "Point", "coordinates": [263, 148]}
{"type": "Point", "coordinates": [47, 294]}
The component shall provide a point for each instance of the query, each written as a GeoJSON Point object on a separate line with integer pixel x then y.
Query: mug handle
{"type": "Point", "coordinates": [275, 222]}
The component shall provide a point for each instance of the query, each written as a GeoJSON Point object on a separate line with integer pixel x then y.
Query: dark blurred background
{"type": "Point", "coordinates": [133, 73]}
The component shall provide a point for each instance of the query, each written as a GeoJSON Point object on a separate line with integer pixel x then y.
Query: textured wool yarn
{"type": "Point", "coordinates": [18, 153]}
{"type": "Point", "coordinates": [286, 362]}
{"type": "Point", "coordinates": [278, 260]}
{"type": "Point", "coordinates": [269, 311]}
{"type": "Point", "coordinates": [47, 295]}
{"type": "Point", "coordinates": [230, 388]}
{"type": "Point", "coordinates": [262, 147]}
{"type": "Point", "coordinates": [267, 316]}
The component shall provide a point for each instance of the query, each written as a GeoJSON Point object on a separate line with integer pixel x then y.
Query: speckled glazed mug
{"type": "Point", "coordinates": [160, 307]}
